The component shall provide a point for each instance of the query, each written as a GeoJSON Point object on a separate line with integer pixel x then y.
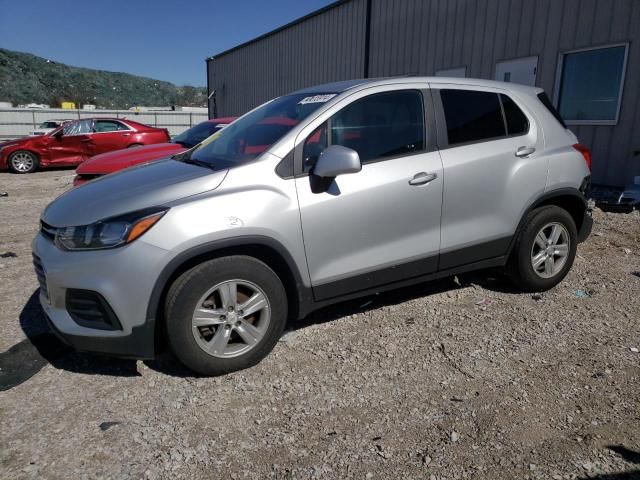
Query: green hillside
{"type": "Point", "coordinates": [26, 78]}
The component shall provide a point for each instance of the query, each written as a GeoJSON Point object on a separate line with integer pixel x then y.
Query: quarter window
{"type": "Point", "coordinates": [517, 122]}
{"type": "Point", "coordinates": [472, 116]}
{"type": "Point", "coordinates": [378, 126]}
{"type": "Point", "coordinates": [591, 84]}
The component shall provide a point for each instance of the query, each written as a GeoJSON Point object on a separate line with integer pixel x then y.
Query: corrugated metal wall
{"type": "Point", "coordinates": [324, 48]}
{"type": "Point", "coordinates": [423, 36]}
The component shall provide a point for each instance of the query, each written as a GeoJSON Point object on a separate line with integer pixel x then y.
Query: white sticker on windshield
{"type": "Point", "coordinates": [317, 99]}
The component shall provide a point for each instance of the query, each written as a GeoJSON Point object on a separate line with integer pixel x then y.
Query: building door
{"type": "Point", "coordinates": [519, 70]}
{"type": "Point", "coordinates": [460, 72]}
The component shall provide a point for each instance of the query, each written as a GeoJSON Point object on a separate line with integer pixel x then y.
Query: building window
{"type": "Point", "coordinates": [590, 87]}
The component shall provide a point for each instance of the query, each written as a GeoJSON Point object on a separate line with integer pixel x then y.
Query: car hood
{"type": "Point", "coordinates": [119, 159]}
{"type": "Point", "coordinates": [11, 143]}
{"type": "Point", "coordinates": [149, 185]}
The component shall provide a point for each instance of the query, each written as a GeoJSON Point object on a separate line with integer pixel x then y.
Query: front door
{"type": "Point", "coordinates": [519, 70]}
{"type": "Point", "coordinates": [74, 145]}
{"type": "Point", "coordinates": [381, 224]}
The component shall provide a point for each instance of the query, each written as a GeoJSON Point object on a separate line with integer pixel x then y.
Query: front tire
{"type": "Point", "coordinates": [545, 249]}
{"type": "Point", "coordinates": [23, 161]}
{"type": "Point", "coordinates": [225, 314]}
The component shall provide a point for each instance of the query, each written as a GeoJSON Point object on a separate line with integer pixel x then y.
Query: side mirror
{"type": "Point", "coordinates": [59, 133]}
{"type": "Point", "coordinates": [337, 160]}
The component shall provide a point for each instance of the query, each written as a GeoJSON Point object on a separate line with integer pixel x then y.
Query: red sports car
{"type": "Point", "coordinates": [114, 161]}
{"type": "Point", "coordinates": [75, 142]}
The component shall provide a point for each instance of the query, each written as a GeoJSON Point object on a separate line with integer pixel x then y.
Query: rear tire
{"type": "Point", "coordinates": [225, 314]}
{"type": "Point", "coordinates": [23, 161]}
{"type": "Point", "coordinates": [544, 251]}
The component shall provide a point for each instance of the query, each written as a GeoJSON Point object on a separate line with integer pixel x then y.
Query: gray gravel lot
{"type": "Point", "coordinates": [462, 378]}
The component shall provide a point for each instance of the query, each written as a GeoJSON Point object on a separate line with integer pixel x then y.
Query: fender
{"type": "Point", "coordinates": [303, 300]}
{"type": "Point", "coordinates": [546, 199]}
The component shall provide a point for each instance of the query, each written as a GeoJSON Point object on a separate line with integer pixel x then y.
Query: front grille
{"type": "Point", "coordinates": [48, 231]}
{"type": "Point", "coordinates": [41, 274]}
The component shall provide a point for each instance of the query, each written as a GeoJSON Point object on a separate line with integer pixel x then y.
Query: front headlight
{"type": "Point", "coordinates": [109, 233]}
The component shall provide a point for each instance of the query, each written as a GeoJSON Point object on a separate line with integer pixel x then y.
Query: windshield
{"type": "Point", "coordinates": [195, 135]}
{"type": "Point", "coordinates": [253, 134]}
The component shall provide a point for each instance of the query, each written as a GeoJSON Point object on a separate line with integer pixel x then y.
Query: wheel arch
{"type": "Point", "coordinates": [570, 199]}
{"type": "Point", "coordinates": [265, 249]}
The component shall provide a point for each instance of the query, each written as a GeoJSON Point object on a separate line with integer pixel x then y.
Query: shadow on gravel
{"type": "Point", "coordinates": [488, 279]}
{"type": "Point", "coordinates": [41, 347]}
{"type": "Point", "coordinates": [630, 456]}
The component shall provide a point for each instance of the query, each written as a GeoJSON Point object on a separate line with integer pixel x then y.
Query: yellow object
{"type": "Point", "coordinates": [68, 105]}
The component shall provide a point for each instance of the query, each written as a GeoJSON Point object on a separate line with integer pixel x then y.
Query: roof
{"type": "Point", "coordinates": [339, 87]}
{"type": "Point", "coordinates": [279, 29]}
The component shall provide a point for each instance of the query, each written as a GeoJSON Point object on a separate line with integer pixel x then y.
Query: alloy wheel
{"type": "Point", "coordinates": [22, 162]}
{"type": "Point", "coordinates": [550, 250]}
{"type": "Point", "coordinates": [231, 318]}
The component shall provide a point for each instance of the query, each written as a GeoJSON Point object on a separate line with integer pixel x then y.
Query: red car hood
{"type": "Point", "coordinates": [114, 161]}
{"type": "Point", "coordinates": [11, 143]}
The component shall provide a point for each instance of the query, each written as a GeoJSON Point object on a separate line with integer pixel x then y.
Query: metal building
{"type": "Point", "coordinates": [584, 53]}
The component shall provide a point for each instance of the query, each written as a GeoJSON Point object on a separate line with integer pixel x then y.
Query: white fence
{"type": "Point", "coordinates": [18, 122]}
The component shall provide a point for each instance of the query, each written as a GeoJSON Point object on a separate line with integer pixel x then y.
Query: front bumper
{"type": "Point", "coordinates": [124, 277]}
{"type": "Point", "coordinates": [140, 344]}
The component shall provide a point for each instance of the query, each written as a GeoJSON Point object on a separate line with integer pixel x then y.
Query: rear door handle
{"type": "Point", "coordinates": [422, 178]}
{"type": "Point", "coordinates": [126, 134]}
{"type": "Point", "coordinates": [85, 140]}
{"type": "Point", "coordinates": [524, 151]}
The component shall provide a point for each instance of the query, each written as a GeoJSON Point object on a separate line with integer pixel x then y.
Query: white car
{"type": "Point", "coordinates": [48, 126]}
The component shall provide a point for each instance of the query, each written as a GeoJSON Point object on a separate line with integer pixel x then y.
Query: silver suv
{"type": "Point", "coordinates": [325, 194]}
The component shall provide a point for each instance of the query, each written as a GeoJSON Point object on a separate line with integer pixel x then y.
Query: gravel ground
{"type": "Point", "coordinates": [462, 378]}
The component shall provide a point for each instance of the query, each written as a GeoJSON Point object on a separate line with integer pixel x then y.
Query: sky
{"type": "Point", "coordinates": [162, 39]}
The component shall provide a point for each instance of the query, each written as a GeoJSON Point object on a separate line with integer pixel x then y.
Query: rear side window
{"type": "Point", "coordinates": [378, 126]}
{"type": "Point", "coordinates": [547, 103]}
{"type": "Point", "coordinates": [517, 122]}
{"type": "Point", "coordinates": [472, 116]}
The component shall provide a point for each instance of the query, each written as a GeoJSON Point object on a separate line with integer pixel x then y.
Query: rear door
{"type": "Point", "coordinates": [381, 224]}
{"type": "Point", "coordinates": [74, 145]}
{"type": "Point", "coordinates": [490, 148]}
{"type": "Point", "coordinates": [109, 135]}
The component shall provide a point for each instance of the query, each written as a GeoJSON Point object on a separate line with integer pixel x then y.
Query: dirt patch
{"type": "Point", "coordinates": [462, 378]}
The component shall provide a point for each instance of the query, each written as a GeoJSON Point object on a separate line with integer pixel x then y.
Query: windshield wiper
{"type": "Point", "coordinates": [199, 163]}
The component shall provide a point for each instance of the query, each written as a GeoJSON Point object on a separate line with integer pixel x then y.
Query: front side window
{"type": "Point", "coordinates": [253, 134]}
{"type": "Point", "coordinates": [591, 84]}
{"type": "Point", "coordinates": [378, 126]}
{"type": "Point", "coordinates": [472, 116]}
{"type": "Point", "coordinates": [79, 127]}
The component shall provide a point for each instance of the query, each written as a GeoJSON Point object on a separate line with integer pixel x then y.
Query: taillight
{"type": "Point", "coordinates": [585, 153]}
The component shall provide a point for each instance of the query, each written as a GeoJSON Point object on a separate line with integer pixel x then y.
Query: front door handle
{"type": "Point", "coordinates": [126, 134]}
{"type": "Point", "coordinates": [524, 151]}
{"type": "Point", "coordinates": [422, 178]}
